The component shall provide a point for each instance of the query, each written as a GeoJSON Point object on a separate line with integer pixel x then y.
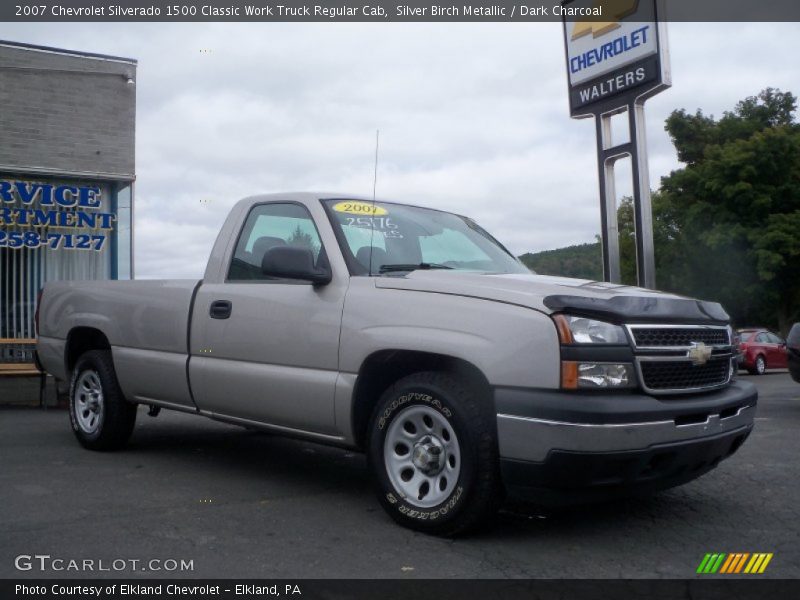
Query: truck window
{"type": "Point", "coordinates": [377, 236]}
{"type": "Point", "coordinates": [268, 226]}
{"type": "Point", "coordinates": [439, 248]}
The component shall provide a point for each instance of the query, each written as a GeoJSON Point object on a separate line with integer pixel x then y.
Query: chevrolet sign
{"type": "Point", "coordinates": [611, 45]}
{"type": "Point", "coordinates": [615, 55]}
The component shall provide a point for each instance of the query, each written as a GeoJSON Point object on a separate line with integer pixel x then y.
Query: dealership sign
{"type": "Point", "coordinates": [616, 59]}
{"type": "Point", "coordinates": [612, 53]}
{"type": "Point", "coordinates": [34, 215]}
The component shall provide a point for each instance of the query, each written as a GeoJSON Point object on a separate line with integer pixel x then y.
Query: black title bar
{"type": "Point", "coordinates": [376, 11]}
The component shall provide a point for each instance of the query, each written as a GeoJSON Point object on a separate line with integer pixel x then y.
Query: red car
{"type": "Point", "coordinates": [761, 350]}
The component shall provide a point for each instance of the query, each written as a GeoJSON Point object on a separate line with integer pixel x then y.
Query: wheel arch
{"type": "Point", "coordinates": [383, 368]}
{"type": "Point", "coordinates": [79, 341]}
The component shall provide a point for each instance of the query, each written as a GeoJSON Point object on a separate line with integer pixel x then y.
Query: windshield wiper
{"type": "Point", "coordinates": [411, 267]}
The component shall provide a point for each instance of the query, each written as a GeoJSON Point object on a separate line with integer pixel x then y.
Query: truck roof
{"type": "Point", "coordinates": [309, 197]}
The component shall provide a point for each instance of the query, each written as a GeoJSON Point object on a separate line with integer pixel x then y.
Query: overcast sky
{"type": "Point", "coordinates": [472, 117]}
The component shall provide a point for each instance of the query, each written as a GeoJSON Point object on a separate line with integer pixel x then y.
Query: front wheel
{"type": "Point", "coordinates": [100, 416]}
{"type": "Point", "coordinates": [761, 365]}
{"type": "Point", "coordinates": [433, 453]}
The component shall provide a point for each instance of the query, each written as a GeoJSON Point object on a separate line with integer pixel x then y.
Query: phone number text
{"type": "Point", "coordinates": [54, 241]}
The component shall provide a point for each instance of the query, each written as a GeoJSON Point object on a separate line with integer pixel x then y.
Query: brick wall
{"type": "Point", "coordinates": [66, 113]}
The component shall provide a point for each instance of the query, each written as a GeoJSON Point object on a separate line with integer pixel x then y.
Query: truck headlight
{"type": "Point", "coordinates": [579, 370]}
{"type": "Point", "coordinates": [591, 375]}
{"type": "Point", "coordinates": [580, 330]}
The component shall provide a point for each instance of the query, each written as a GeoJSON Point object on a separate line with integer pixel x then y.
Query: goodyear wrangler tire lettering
{"type": "Point", "coordinates": [411, 397]}
{"type": "Point", "coordinates": [432, 448]}
{"type": "Point", "coordinates": [434, 514]}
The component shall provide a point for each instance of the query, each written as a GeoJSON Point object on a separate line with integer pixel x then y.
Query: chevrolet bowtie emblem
{"type": "Point", "coordinates": [617, 9]}
{"type": "Point", "coordinates": [699, 353]}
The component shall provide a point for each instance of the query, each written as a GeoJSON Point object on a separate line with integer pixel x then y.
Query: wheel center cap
{"type": "Point", "coordinates": [428, 455]}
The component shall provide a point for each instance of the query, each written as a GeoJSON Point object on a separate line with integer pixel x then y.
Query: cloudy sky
{"type": "Point", "coordinates": [472, 117]}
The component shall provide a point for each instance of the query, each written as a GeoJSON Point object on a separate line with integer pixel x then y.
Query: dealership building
{"type": "Point", "coordinates": [67, 124]}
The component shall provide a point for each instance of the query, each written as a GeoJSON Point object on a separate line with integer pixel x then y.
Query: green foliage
{"type": "Point", "coordinates": [583, 261]}
{"type": "Point", "coordinates": [666, 232]}
{"type": "Point", "coordinates": [694, 134]}
{"type": "Point", "coordinates": [736, 207]}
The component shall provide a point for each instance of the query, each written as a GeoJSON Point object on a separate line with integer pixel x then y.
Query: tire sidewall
{"type": "Point", "coordinates": [391, 405]}
{"type": "Point", "coordinates": [87, 362]}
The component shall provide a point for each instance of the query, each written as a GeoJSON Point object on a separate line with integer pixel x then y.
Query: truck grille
{"type": "Point", "coordinates": [678, 375]}
{"type": "Point", "coordinates": [674, 359]}
{"type": "Point", "coordinates": [665, 337]}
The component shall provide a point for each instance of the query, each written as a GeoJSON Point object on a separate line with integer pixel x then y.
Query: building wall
{"type": "Point", "coordinates": [65, 113]}
{"type": "Point", "coordinates": [67, 119]}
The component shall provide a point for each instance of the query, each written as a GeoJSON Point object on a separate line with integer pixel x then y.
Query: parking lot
{"type": "Point", "coordinates": [244, 504]}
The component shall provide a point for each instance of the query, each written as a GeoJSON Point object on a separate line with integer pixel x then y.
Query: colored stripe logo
{"type": "Point", "coordinates": [737, 562]}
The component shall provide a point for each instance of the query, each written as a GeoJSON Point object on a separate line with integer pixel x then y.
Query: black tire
{"type": "Point", "coordinates": [476, 492]}
{"type": "Point", "coordinates": [113, 422]}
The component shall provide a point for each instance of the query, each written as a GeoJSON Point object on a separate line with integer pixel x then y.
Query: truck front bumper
{"type": "Point", "coordinates": [558, 447]}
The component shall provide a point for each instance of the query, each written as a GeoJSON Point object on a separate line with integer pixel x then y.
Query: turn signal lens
{"type": "Point", "coordinates": [562, 325]}
{"type": "Point", "coordinates": [569, 375]}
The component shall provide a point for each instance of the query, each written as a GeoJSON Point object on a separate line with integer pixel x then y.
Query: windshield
{"type": "Point", "coordinates": [384, 238]}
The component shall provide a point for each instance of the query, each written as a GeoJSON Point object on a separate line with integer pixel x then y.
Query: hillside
{"type": "Point", "coordinates": [583, 261]}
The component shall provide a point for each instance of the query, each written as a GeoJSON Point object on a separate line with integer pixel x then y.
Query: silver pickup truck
{"type": "Point", "coordinates": [415, 336]}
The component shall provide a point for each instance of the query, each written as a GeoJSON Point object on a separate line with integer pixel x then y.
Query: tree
{"type": "Point", "coordinates": [301, 239]}
{"type": "Point", "coordinates": [735, 209]}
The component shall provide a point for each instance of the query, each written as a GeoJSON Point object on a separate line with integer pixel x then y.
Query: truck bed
{"type": "Point", "coordinates": [146, 323]}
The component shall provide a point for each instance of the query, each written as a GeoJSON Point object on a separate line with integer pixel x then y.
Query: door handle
{"type": "Point", "coordinates": [220, 309]}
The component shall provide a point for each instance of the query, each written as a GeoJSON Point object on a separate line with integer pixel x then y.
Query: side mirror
{"type": "Point", "coordinates": [291, 262]}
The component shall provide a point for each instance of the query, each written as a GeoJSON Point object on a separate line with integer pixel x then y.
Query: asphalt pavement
{"type": "Point", "coordinates": [238, 503]}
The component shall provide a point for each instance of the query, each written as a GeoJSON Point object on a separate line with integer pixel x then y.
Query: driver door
{"type": "Point", "coordinates": [266, 349]}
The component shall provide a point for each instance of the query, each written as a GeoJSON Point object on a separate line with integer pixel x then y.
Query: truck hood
{"type": "Point", "coordinates": [610, 301]}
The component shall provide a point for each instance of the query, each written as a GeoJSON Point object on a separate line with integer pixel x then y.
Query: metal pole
{"type": "Point", "coordinates": [608, 202]}
{"type": "Point", "coordinates": [642, 205]}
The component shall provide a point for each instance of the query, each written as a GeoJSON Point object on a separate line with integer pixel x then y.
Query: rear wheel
{"type": "Point", "coordinates": [433, 452]}
{"type": "Point", "coordinates": [101, 418]}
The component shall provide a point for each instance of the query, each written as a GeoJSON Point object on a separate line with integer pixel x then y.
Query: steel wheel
{"type": "Point", "coordinates": [100, 416]}
{"type": "Point", "coordinates": [432, 449]}
{"type": "Point", "coordinates": [422, 456]}
{"type": "Point", "coordinates": [89, 401]}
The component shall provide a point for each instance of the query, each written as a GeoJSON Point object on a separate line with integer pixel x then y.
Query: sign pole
{"type": "Point", "coordinates": [642, 204]}
{"type": "Point", "coordinates": [608, 200]}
